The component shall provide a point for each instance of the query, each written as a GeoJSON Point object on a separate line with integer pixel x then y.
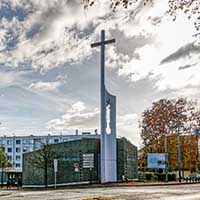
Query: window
{"type": "Point", "coordinates": [9, 150]}
{"type": "Point", "coordinates": [17, 165]}
{"type": "Point", "coordinates": [27, 141]}
{"type": "Point", "coordinates": [18, 141]}
{"type": "Point", "coordinates": [18, 158]}
{"type": "Point", "coordinates": [56, 140]}
{"type": "Point", "coordinates": [37, 140]}
{"type": "Point", "coordinates": [24, 149]}
{"type": "Point", "coordinates": [18, 150]}
{"type": "Point", "coordinates": [9, 142]}
{"type": "Point", "coordinates": [9, 158]}
{"type": "Point", "coordinates": [27, 149]}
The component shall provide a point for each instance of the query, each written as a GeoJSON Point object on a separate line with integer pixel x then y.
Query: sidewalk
{"type": "Point", "coordinates": [142, 184]}
{"type": "Point", "coordinates": [3, 194]}
{"type": "Point", "coordinates": [129, 184]}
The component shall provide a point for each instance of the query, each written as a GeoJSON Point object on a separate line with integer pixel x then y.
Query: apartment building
{"type": "Point", "coordinates": [15, 146]}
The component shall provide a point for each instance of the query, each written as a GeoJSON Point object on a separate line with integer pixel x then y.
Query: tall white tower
{"type": "Point", "coordinates": [108, 121]}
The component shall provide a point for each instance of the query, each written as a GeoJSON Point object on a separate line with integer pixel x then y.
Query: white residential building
{"type": "Point", "coordinates": [15, 146]}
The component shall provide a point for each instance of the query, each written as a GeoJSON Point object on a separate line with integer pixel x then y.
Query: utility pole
{"type": "Point", "coordinates": [55, 162]}
{"type": "Point", "coordinates": [166, 160]}
{"type": "Point", "coordinates": [196, 133]}
{"type": "Point", "coordinates": [179, 156]}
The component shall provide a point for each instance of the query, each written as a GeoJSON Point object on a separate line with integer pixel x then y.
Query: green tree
{"type": "Point", "coordinates": [4, 164]}
{"type": "Point", "coordinates": [43, 159]}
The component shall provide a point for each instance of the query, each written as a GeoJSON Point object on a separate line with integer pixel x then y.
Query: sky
{"type": "Point", "coordinates": [49, 75]}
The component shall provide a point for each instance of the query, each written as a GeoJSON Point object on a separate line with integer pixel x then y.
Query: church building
{"type": "Point", "coordinates": [78, 161]}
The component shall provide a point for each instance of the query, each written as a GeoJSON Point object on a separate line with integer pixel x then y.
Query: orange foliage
{"type": "Point", "coordinates": [189, 152]}
{"type": "Point", "coordinates": [162, 119]}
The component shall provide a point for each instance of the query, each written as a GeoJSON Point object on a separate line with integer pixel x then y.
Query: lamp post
{"type": "Point", "coordinates": [166, 160]}
{"type": "Point", "coordinates": [179, 156]}
{"type": "Point", "coordinates": [196, 133]}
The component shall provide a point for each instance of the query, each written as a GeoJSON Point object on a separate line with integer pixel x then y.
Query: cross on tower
{"type": "Point", "coordinates": [102, 43]}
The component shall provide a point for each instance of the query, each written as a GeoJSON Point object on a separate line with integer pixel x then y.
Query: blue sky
{"type": "Point", "coordinates": [49, 75]}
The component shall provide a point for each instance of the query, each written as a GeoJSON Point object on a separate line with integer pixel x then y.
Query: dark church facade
{"type": "Point", "coordinates": [78, 162]}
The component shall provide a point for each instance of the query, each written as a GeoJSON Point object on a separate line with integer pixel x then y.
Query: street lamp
{"type": "Point", "coordinates": [166, 160]}
{"type": "Point", "coordinates": [196, 133]}
{"type": "Point", "coordinates": [179, 156]}
{"type": "Point", "coordinates": [178, 114]}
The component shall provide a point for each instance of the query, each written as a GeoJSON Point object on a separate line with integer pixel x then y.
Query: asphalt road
{"type": "Point", "coordinates": [172, 192]}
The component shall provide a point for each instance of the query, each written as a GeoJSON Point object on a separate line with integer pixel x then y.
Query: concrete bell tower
{"type": "Point", "coordinates": [108, 121]}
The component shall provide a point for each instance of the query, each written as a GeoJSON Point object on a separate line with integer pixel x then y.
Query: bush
{"type": "Point", "coordinates": [149, 175]}
{"type": "Point", "coordinates": [154, 178]}
{"type": "Point", "coordinates": [171, 177]}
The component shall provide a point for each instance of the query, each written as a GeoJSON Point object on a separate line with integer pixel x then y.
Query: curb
{"type": "Point", "coordinates": [108, 185]}
{"type": "Point", "coordinates": [5, 194]}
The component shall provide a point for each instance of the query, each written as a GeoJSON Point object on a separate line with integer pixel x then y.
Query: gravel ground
{"type": "Point", "coordinates": [171, 192]}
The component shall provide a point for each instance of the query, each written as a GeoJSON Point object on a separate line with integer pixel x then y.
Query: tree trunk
{"type": "Point", "coordinates": [1, 177]}
{"type": "Point", "coordinates": [45, 175]}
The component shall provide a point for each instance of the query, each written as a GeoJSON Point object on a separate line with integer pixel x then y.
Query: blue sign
{"type": "Point", "coordinates": [196, 131]}
{"type": "Point", "coordinates": [156, 160]}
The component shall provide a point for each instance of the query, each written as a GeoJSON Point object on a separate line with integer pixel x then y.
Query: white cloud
{"type": "Point", "coordinates": [127, 120]}
{"type": "Point", "coordinates": [3, 128]}
{"type": "Point", "coordinates": [77, 107]}
{"type": "Point", "coordinates": [115, 59]}
{"type": "Point", "coordinates": [127, 125]}
{"type": "Point", "coordinates": [3, 33]}
{"type": "Point", "coordinates": [55, 33]}
{"type": "Point", "coordinates": [169, 36]}
{"type": "Point", "coordinates": [45, 86]}
{"type": "Point", "coordinates": [45, 38]}
{"type": "Point", "coordinates": [188, 91]}
{"type": "Point", "coordinates": [10, 78]}
{"type": "Point", "coordinates": [77, 117]}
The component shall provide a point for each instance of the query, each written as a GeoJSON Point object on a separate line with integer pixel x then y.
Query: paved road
{"type": "Point", "coordinates": [175, 192]}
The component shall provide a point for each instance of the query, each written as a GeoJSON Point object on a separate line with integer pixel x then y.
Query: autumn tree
{"type": "Point", "coordinates": [189, 147]}
{"type": "Point", "coordinates": [196, 125]}
{"type": "Point", "coordinates": [196, 119]}
{"type": "Point", "coordinates": [162, 119]}
{"type": "Point", "coordinates": [164, 116]}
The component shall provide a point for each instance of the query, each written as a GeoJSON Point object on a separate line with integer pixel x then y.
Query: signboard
{"type": "Point", "coordinates": [76, 167]}
{"type": "Point", "coordinates": [88, 160]}
{"type": "Point", "coordinates": [196, 132]}
{"type": "Point", "coordinates": [55, 164]}
{"type": "Point", "coordinates": [156, 160]}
